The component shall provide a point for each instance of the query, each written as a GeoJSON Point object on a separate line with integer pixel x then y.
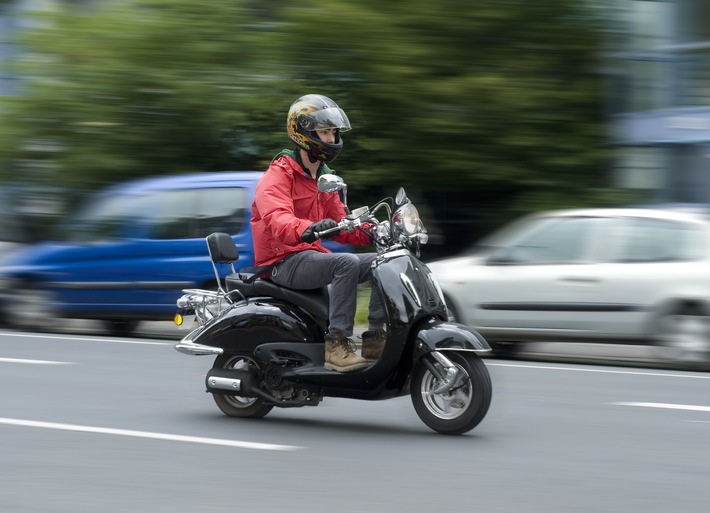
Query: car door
{"type": "Point", "coordinates": [543, 279]}
{"type": "Point", "coordinates": [646, 262]}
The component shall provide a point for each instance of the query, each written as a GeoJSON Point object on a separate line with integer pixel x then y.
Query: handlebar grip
{"type": "Point", "coordinates": [329, 230]}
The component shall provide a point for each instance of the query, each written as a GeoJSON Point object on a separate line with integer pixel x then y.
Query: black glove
{"type": "Point", "coordinates": [309, 235]}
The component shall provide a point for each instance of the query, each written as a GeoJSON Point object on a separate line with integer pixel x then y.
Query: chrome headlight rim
{"type": "Point", "coordinates": [406, 221]}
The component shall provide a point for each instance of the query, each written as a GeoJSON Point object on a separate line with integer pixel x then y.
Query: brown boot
{"type": "Point", "coordinates": [339, 354]}
{"type": "Point", "coordinates": [373, 343]}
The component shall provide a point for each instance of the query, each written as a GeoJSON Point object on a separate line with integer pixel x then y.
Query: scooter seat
{"type": "Point", "coordinates": [314, 301]}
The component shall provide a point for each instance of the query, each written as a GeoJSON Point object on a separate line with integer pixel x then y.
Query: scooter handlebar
{"type": "Point", "coordinates": [347, 223]}
{"type": "Point", "coordinates": [335, 229]}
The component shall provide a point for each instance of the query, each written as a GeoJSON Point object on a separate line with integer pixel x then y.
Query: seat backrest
{"type": "Point", "coordinates": [222, 248]}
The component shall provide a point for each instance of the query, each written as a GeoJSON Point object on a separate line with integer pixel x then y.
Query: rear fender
{"type": "Point", "coordinates": [249, 324]}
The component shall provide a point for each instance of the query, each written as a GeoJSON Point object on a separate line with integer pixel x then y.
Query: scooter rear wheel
{"type": "Point", "coordinates": [459, 410]}
{"type": "Point", "coordinates": [234, 405]}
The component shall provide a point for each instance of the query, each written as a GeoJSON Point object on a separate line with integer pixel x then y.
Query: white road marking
{"type": "Point", "coordinates": [668, 406]}
{"type": "Point", "coordinates": [147, 434]}
{"type": "Point", "coordinates": [602, 371]}
{"type": "Point", "coordinates": [33, 362]}
{"type": "Point", "coordinates": [88, 339]}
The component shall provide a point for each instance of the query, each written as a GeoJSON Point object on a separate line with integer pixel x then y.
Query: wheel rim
{"type": "Point", "coordinates": [449, 405]}
{"type": "Point", "coordinates": [686, 338]}
{"type": "Point", "coordinates": [31, 308]}
{"type": "Point", "coordinates": [240, 363]}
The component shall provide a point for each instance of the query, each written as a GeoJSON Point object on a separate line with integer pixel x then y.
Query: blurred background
{"type": "Point", "coordinates": [484, 110]}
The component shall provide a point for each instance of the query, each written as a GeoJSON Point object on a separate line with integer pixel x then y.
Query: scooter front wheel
{"type": "Point", "coordinates": [234, 405]}
{"type": "Point", "coordinates": [460, 408]}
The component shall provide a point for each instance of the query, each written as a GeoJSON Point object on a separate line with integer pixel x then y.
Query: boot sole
{"type": "Point", "coordinates": [351, 368]}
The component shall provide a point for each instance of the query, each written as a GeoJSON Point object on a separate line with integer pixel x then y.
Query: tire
{"type": "Point", "coordinates": [234, 405]}
{"type": "Point", "coordinates": [120, 327]}
{"type": "Point", "coordinates": [683, 336]}
{"type": "Point", "coordinates": [457, 413]}
{"type": "Point", "coordinates": [31, 308]}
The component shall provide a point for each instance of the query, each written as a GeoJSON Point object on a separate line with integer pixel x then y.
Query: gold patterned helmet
{"type": "Point", "coordinates": [311, 112]}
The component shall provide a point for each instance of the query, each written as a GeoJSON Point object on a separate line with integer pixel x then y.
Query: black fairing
{"type": "Point", "coordinates": [259, 321]}
{"type": "Point", "coordinates": [446, 336]}
{"type": "Point", "coordinates": [408, 292]}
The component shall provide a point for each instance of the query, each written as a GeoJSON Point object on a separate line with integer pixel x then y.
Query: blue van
{"type": "Point", "coordinates": [128, 253]}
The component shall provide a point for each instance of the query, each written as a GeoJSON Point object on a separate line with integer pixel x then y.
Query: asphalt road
{"type": "Point", "coordinates": [90, 423]}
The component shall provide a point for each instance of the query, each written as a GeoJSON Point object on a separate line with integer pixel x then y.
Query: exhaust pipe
{"type": "Point", "coordinates": [243, 383]}
{"type": "Point", "coordinates": [230, 381]}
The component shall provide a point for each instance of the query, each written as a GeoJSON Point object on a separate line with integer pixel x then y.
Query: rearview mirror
{"type": "Point", "coordinates": [330, 183]}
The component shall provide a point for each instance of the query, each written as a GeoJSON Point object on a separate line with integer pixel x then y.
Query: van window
{"type": "Point", "coordinates": [199, 212]}
{"type": "Point", "coordinates": [175, 214]}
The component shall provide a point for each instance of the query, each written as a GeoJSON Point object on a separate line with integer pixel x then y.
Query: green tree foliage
{"type": "Point", "coordinates": [131, 89]}
{"type": "Point", "coordinates": [495, 107]}
{"type": "Point", "coordinates": [483, 109]}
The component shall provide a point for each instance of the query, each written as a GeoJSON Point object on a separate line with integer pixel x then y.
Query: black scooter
{"type": "Point", "coordinates": [269, 340]}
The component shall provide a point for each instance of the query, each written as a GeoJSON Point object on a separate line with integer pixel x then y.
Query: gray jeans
{"type": "Point", "coordinates": [343, 271]}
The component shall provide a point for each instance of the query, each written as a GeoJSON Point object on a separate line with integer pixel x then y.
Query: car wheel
{"type": "Point", "coordinates": [683, 336]}
{"type": "Point", "coordinates": [120, 327]}
{"type": "Point", "coordinates": [31, 308]}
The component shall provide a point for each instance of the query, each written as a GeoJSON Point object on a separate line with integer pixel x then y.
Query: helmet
{"type": "Point", "coordinates": [314, 111]}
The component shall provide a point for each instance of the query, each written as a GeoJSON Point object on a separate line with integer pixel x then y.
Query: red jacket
{"type": "Point", "coordinates": [287, 202]}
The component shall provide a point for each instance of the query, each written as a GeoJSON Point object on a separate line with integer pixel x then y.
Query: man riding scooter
{"type": "Point", "coordinates": [288, 213]}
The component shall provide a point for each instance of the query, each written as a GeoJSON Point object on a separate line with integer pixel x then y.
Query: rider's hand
{"type": "Point", "coordinates": [309, 235]}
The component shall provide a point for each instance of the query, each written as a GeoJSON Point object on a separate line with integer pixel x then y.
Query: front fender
{"type": "Point", "coordinates": [436, 335]}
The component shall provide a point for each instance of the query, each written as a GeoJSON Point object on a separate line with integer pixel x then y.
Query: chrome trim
{"type": "Point", "coordinates": [191, 348]}
{"type": "Point", "coordinates": [462, 350]}
{"type": "Point", "coordinates": [224, 383]}
{"type": "Point", "coordinates": [452, 373]}
{"type": "Point", "coordinates": [410, 288]}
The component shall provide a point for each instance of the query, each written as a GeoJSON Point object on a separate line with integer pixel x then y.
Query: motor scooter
{"type": "Point", "coordinates": [268, 340]}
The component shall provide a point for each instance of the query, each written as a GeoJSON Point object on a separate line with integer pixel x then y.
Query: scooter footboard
{"type": "Point", "coordinates": [449, 336]}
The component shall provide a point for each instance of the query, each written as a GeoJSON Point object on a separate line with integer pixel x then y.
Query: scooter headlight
{"type": "Point", "coordinates": [406, 221]}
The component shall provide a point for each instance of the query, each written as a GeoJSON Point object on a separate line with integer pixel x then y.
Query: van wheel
{"type": "Point", "coordinates": [120, 327]}
{"type": "Point", "coordinates": [31, 309]}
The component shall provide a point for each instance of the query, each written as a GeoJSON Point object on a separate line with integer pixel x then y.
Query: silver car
{"type": "Point", "coordinates": [597, 275]}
